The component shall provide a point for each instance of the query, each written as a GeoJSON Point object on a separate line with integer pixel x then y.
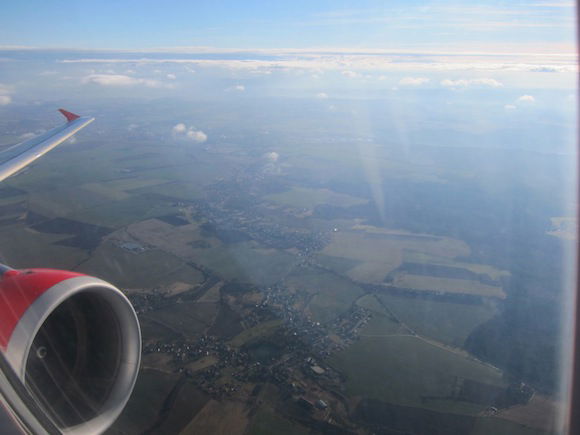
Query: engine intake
{"type": "Point", "coordinates": [74, 341]}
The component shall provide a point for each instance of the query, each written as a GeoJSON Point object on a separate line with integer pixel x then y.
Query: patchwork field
{"type": "Point", "coordinates": [377, 252]}
{"type": "Point", "coordinates": [405, 369]}
{"type": "Point", "coordinates": [409, 293]}
{"type": "Point", "coordinates": [447, 285]}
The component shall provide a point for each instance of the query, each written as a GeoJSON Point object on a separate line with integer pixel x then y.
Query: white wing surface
{"type": "Point", "coordinates": [21, 155]}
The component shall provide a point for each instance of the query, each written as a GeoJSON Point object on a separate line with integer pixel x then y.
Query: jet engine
{"type": "Point", "coordinates": [75, 343]}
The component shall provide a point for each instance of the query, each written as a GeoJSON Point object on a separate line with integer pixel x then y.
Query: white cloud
{"type": "Point", "coordinates": [465, 83]}
{"type": "Point", "coordinates": [190, 133]}
{"type": "Point", "coordinates": [171, 76]}
{"type": "Point", "coordinates": [526, 99]}
{"type": "Point", "coordinates": [132, 127]}
{"type": "Point", "coordinates": [322, 95]}
{"type": "Point", "coordinates": [235, 88]}
{"type": "Point", "coordinates": [120, 80]}
{"type": "Point", "coordinates": [350, 74]}
{"type": "Point", "coordinates": [5, 97]}
{"type": "Point", "coordinates": [179, 128]}
{"type": "Point", "coordinates": [273, 156]}
{"type": "Point", "coordinates": [413, 81]}
{"type": "Point", "coordinates": [520, 101]}
{"type": "Point", "coordinates": [261, 72]}
{"type": "Point", "coordinates": [196, 135]}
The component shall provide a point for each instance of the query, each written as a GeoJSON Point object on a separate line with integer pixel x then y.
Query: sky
{"type": "Point", "coordinates": [85, 50]}
{"type": "Point", "coordinates": [538, 25]}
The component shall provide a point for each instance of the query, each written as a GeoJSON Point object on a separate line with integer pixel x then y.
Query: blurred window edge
{"type": "Point", "coordinates": [19, 411]}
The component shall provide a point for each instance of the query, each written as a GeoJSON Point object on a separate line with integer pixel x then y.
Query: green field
{"type": "Point", "coordinates": [332, 295]}
{"type": "Point", "coordinates": [379, 251]}
{"type": "Point", "coordinates": [63, 202]}
{"type": "Point", "coordinates": [260, 330]}
{"type": "Point", "coordinates": [121, 188]}
{"type": "Point", "coordinates": [200, 171]}
{"type": "Point", "coordinates": [153, 331]}
{"type": "Point", "coordinates": [188, 318]}
{"type": "Point", "coordinates": [187, 404]}
{"type": "Point", "coordinates": [422, 257]}
{"type": "Point", "coordinates": [116, 214]}
{"type": "Point", "coordinates": [147, 269]}
{"type": "Point", "coordinates": [447, 285]}
{"type": "Point", "coordinates": [142, 410]}
{"type": "Point", "coordinates": [302, 197]}
{"type": "Point", "coordinates": [246, 262]}
{"type": "Point", "coordinates": [179, 190]}
{"type": "Point", "coordinates": [499, 426]}
{"type": "Point", "coordinates": [381, 325]}
{"type": "Point", "coordinates": [403, 369]}
{"type": "Point", "coordinates": [338, 265]}
{"type": "Point", "coordinates": [446, 321]}
{"type": "Point", "coordinates": [23, 247]}
{"type": "Point", "coordinates": [267, 422]}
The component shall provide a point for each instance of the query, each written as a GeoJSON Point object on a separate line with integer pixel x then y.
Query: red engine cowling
{"type": "Point", "coordinates": [74, 341]}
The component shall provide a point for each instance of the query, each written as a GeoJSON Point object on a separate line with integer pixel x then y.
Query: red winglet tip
{"type": "Point", "coordinates": [68, 115]}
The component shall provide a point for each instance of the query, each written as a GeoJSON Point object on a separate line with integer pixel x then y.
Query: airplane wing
{"type": "Point", "coordinates": [21, 155]}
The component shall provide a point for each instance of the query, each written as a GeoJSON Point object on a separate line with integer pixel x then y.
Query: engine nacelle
{"type": "Point", "coordinates": [74, 341]}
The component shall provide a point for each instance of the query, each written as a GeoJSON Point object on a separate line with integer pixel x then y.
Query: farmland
{"type": "Point", "coordinates": [280, 295]}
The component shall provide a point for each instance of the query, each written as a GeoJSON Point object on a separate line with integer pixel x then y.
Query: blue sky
{"type": "Point", "coordinates": [146, 24]}
{"type": "Point", "coordinates": [317, 49]}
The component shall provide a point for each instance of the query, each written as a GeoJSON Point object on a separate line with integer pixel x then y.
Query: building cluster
{"type": "Point", "coordinates": [231, 210]}
{"type": "Point", "coordinates": [349, 324]}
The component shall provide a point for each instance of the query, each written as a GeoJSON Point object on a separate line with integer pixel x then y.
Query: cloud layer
{"type": "Point", "coordinates": [467, 83]}
{"type": "Point", "coordinates": [413, 81]}
{"type": "Point", "coordinates": [351, 62]}
{"type": "Point", "coordinates": [121, 80]}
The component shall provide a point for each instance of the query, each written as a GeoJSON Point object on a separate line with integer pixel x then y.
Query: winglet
{"type": "Point", "coordinates": [68, 115]}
